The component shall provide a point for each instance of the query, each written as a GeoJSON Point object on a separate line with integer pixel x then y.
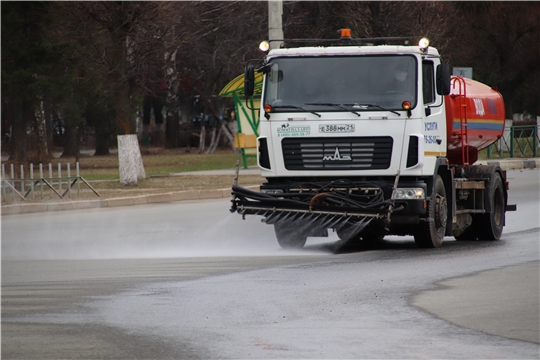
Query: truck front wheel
{"type": "Point", "coordinates": [430, 234]}
{"type": "Point", "coordinates": [289, 236]}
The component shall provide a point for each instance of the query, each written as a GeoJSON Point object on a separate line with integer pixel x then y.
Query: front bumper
{"type": "Point", "coordinates": [346, 198]}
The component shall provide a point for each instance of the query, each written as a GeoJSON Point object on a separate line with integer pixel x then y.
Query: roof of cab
{"type": "Point", "coordinates": [351, 50]}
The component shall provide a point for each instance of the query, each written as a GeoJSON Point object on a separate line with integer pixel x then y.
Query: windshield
{"type": "Point", "coordinates": [347, 83]}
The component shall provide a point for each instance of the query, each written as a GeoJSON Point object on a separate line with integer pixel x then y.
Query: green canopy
{"type": "Point", "coordinates": [246, 113]}
{"type": "Point", "coordinates": [236, 86]}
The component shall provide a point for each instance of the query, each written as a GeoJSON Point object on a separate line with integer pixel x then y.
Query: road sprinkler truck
{"type": "Point", "coordinates": [372, 140]}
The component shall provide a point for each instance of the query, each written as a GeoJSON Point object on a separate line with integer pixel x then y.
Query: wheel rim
{"type": "Point", "coordinates": [441, 212]}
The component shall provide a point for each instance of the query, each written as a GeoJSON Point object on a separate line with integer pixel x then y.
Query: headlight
{"type": "Point", "coordinates": [410, 193]}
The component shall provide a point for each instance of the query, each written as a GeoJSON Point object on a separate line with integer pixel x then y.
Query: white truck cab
{"type": "Point", "coordinates": [351, 110]}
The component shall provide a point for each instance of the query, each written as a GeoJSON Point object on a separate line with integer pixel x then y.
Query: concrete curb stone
{"type": "Point", "coordinates": [158, 198]}
{"type": "Point", "coordinates": [127, 201]}
{"type": "Point", "coordinates": [88, 204]}
{"type": "Point", "coordinates": [505, 164]}
{"type": "Point", "coordinates": [531, 164]}
{"type": "Point", "coordinates": [513, 164]}
{"type": "Point", "coordinates": [30, 208]}
{"type": "Point", "coordinates": [60, 206]}
{"type": "Point", "coordinates": [210, 194]}
{"type": "Point", "coordinates": [184, 195]}
{"type": "Point", "coordinates": [11, 209]}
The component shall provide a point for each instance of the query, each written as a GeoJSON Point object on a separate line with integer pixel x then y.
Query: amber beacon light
{"type": "Point", "coordinates": [345, 33]}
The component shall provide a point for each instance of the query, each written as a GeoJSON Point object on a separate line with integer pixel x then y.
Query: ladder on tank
{"type": "Point", "coordinates": [461, 97]}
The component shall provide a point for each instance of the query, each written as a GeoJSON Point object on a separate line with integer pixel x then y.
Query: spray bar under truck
{"type": "Point", "coordinates": [374, 140]}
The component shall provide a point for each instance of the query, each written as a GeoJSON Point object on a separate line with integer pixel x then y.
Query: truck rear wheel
{"type": "Point", "coordinates": [289, 237]}
{"type": "Point", "coordinates": [430, 234]}
{"type": "Point", "coordinates": [469, 234]}
{"type": "Point", "coordinates": [490, 226]}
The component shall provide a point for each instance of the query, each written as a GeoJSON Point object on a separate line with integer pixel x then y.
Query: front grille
{"type": "Point", "coordinates": [343, 153]}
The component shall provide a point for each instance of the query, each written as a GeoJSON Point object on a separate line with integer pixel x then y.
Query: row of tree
{"type": "Point", "coordinates": [92, 64]}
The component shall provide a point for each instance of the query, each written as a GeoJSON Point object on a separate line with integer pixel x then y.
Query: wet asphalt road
{"type": "Point", "coordinates": [166, 282]}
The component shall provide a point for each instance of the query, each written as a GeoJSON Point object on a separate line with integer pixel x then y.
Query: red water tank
{"type": "Point", "coordinates": [475, 118]}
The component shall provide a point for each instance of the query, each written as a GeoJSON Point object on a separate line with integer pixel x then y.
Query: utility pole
{"type": "Point", "coordinates": [275, 25]}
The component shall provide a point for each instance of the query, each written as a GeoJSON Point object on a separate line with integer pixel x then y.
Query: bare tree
{"type": "Point", "coordinates": [121, 43]}
{"type": "Point", "coordinates": [501, 41]}
{"type": "Point", "coordinates": [211, 42]}
{"type": "Point", "coordinates": [369, 19]}
{"type": "Point", "coordinates": [114, 54]}
{"type": "Point", "coordinates": [26, 67]}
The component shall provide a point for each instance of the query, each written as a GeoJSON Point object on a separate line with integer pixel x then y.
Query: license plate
{"type": "Point", "coordinates": [336, 128]}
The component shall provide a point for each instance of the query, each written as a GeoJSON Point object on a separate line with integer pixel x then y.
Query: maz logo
{"type": "Point", "coordinates": [337, 157]}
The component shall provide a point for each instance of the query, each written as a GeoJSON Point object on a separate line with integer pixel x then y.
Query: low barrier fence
{"type": "Point", "coordinates": [37, 184]}
{"type": "Point", "coordinates": [517, 141]}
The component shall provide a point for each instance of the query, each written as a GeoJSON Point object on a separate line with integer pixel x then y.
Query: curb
{"type": "Point", "coordinates": [512, 164]}
{"type": "Point", "coordinates": [125, 201]}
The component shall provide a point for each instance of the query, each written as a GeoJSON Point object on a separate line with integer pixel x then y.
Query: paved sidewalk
{"type": "Point", "coordinates": [20, 208]}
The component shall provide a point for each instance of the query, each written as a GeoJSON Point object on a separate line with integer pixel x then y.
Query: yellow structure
{"type": "Point", "coordinates": [247, 116]}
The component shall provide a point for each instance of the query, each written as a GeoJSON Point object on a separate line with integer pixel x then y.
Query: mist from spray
{"type": "Point", "coordinates": [176, 230]}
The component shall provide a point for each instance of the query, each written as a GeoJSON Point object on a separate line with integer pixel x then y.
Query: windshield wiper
{"type": "Point", "coordinates": [373, 106]}
{"type": "Point", "coordinates": [336, 106]}
{"type": "Point", "coordinates": [295, 107]}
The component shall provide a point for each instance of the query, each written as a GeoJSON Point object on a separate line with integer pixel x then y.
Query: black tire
{"type": "Point", "coordinates": [469, 234]}
{"type": "Point", "coordinates": [289, 237]}
{"type": "Point", "coordinates": [490, 226]}
{"type": "Point", "coordinates": [430, 234]}
{"type": "Point", "coordinates": [343, 234]}
{"type": "Point", "coordinates": [372, 240]}
{"type": "Point", "coordinates": [373, 237]}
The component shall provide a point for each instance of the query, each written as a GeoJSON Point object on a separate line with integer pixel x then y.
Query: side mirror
{"type": "Point", "coordinates": [249, 80]}
{"type": "Point", "coordinates": [443, 79]}
{"type": "Point", "coordinates": [265, 69]}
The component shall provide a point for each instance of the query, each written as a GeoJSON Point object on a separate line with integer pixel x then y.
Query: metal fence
{"type": "Point", "coordinates": [517, 141]}
{"type": "Point", "coordinates": [36, 183]}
